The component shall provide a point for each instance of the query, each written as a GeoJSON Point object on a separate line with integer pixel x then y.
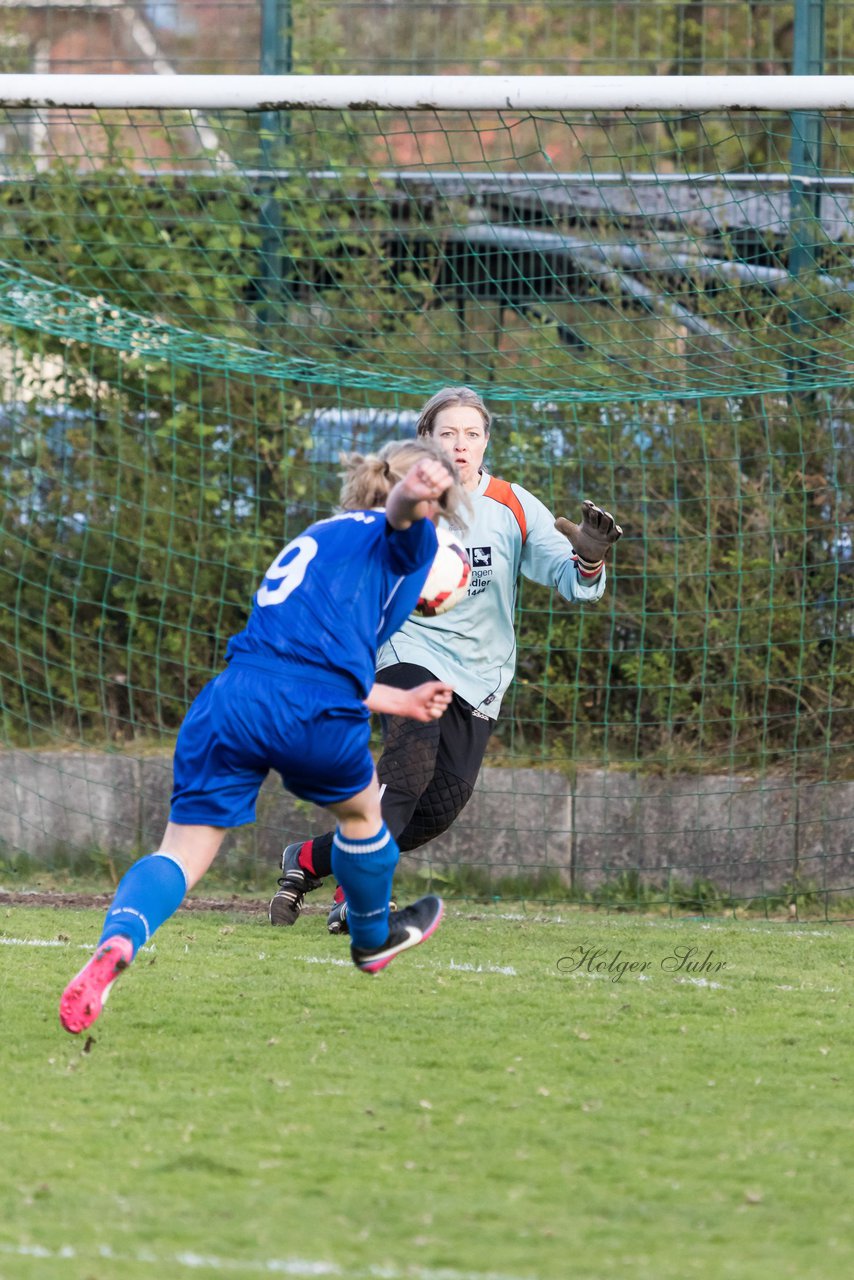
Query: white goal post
{"type": "Point", "coordinates": [449, 93]}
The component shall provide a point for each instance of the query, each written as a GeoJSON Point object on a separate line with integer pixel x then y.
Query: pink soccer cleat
{"type": "Point", "coordinates": [86, 994]}
{"type": "Point", "coordinates": [407, 928]}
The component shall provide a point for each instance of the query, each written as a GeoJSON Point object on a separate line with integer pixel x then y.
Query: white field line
{"type": "Point", "coordinates": [669, 925]}
{"type": "Point", "coordinates": [36, 942]}
{"type": "Point", "coordinates": [465, 967]}
{"type": "Point", "coordinates": [591, 976]}
{"type": "Point", "coordinates": [455, 966]}
{"type": "Point", "coordinates": [302, 1268]}
{"type": "Point", "coordinates": [576, 921]}
{"type": "Point", "coordinates": [505, 970]}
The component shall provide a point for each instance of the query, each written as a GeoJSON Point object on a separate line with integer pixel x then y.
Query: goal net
{"type": "Point", "coordinates": [211, 286]}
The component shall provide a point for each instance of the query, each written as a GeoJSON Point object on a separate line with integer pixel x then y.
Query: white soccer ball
{"type": "Point", "coordinates": [448, 579]}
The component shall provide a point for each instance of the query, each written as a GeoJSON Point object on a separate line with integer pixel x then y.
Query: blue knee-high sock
{"type": "Point", "coordinates": [365, 870]}
{"type": "Point", "coordinates": [149, 892]}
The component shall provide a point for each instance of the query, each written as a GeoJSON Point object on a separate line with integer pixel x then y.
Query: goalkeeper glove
{"type": "Point", "coordinates": [592, 539]}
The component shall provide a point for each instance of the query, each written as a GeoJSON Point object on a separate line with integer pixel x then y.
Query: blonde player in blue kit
{"type": "Point", "coordinates": [428, 772]}
{"type": "Point", "coordinates": [296, 697]}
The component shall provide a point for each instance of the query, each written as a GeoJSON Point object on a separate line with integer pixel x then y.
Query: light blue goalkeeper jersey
{"type": "Point", "coordinates": [473, 646]}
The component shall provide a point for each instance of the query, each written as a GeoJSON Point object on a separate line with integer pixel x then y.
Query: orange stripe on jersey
{"type": "Point", "coordinates": [501, 492]}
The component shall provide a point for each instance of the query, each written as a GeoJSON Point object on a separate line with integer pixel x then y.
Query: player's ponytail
{"type": "Point", "coordinates": [368, 479]}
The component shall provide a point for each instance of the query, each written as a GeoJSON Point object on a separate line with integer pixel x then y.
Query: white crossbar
{"type": "Point", "coordinates": [453, 93]}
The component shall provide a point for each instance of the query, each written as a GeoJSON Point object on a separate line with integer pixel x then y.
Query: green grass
{"type": "Point", "coordinates": [477, 1107]}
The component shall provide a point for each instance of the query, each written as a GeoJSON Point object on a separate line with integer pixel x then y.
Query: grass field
{"type": "Point", "coordinates": [507, 1101]}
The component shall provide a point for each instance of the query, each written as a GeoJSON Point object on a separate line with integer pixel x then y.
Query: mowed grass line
{"type": "Point", "coordinates": [251, 1102]}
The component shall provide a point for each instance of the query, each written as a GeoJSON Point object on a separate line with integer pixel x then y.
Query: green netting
{"type": "Point", "coordinates": [196, 317]}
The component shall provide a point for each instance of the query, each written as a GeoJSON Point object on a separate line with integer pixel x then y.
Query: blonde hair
{"type": "Point", "coordinates": [449, 398]}
{"type": "Point", "coordinates": [369, 478]}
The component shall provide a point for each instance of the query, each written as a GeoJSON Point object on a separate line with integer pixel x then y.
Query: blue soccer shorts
{"type": "Point", "coordinates": [248, 721]}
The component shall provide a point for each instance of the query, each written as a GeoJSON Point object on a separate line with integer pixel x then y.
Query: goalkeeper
{"type": "Point", "coordinates": [428, 771]}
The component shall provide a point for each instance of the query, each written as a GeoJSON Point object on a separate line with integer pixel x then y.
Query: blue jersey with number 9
{"type": "Point", "coordinates": [336, 593]}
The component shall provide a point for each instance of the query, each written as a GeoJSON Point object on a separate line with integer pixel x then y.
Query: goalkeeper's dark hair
{"type": "Point", "coordinates": [369, 478]}
{"type": "Point", "coordinates": [450, 398]}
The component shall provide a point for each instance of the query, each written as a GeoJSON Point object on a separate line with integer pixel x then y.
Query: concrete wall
{"type": "Point", "coordinates": [747, 835]}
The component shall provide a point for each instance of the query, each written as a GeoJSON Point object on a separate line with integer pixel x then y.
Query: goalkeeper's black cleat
{"type": "Point", "coordinates": [336, 921]}
{"type": "Point", "coordinates": [294, 883]}
{"type": "Point", "coordinates": [406, 928]}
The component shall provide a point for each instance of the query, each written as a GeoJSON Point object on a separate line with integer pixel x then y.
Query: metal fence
{"type": "Point", "coordinates": [588, 37]}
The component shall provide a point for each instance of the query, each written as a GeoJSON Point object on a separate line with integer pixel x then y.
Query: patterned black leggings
{"type": "Point", "coordinates": [427, 771]}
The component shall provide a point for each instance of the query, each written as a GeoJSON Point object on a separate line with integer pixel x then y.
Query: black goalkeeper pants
{"type": "Point", "coordinates": [427, 771]}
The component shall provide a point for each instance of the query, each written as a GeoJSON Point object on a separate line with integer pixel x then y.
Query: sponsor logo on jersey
{"type": "Point", "coordinates": [481, 569]}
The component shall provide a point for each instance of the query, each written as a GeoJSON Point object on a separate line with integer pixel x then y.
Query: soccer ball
{"type": "Point", "coordinates": [448, 579]}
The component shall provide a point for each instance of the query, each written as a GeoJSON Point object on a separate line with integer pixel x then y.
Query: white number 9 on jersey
{"type": "Point", "coordinates": [290, 575]}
